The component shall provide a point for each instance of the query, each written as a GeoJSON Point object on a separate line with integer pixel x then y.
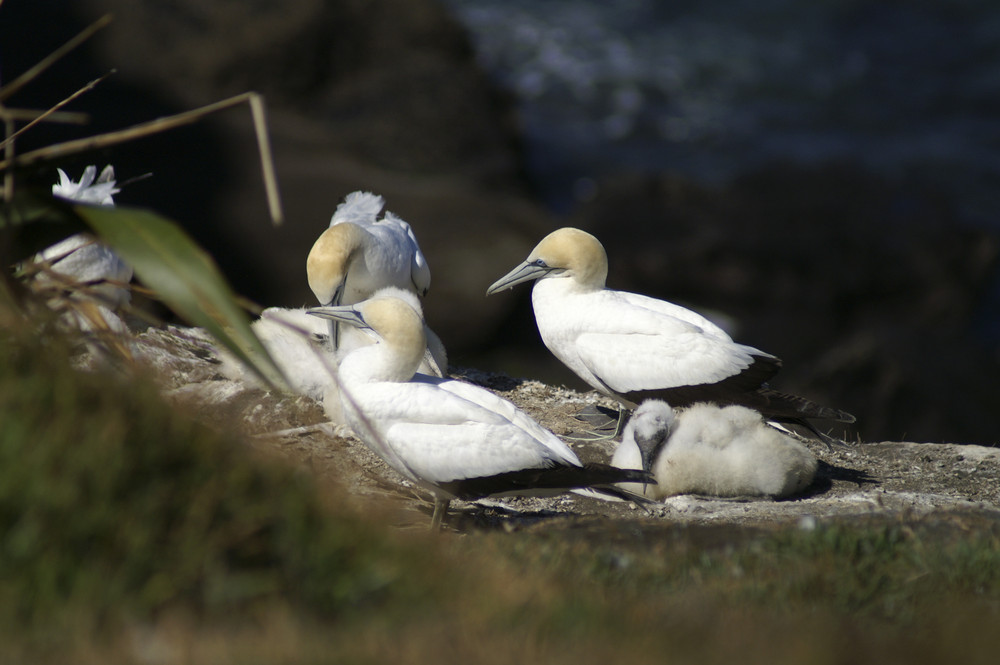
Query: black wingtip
{"type": "Point", "coordinates": [781, 404]}
{"type": "Point", "coordinates": [615, 475]}
{"type": "Point", "coordinates": [626, 495]}
{"type": "Point", "coordinates": [601, 477]}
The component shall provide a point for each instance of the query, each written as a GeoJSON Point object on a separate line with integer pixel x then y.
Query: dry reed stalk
{"type": "Point", "coordinates": [255, 100]}
{"type": "Point", "coordinates": [45, 115]}
{"type": "Point", "coordinates": [46, 62]}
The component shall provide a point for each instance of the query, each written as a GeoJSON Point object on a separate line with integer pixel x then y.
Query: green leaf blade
{"type": "Point", "coordinates": [186, 277]}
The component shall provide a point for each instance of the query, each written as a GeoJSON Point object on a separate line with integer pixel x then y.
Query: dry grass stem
{"type": "Point", "coordinates": [8, 154]}
{"type": "Point", "coordinates": [60, 150]}
{"type": "Point", "coordinates": [266, 159]}
{"type": "Point", "coordinates": [45, 114]}
{"type": "Point", "coordinates": [27, 115]}
{"type": "Point", "coordinates": [46, 62]}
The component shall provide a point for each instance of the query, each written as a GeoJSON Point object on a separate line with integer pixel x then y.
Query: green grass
{"type": "Point", "coordinates": [112, 501]}
{"type": "Point", "coordinates": [122, 518]}
{"type": "Point", "coordinates": [889, 574]}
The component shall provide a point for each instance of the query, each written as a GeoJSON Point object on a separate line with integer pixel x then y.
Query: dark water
{"type": "Point", "coordinates": [715, 88]}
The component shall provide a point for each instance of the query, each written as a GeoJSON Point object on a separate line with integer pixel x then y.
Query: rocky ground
{"type": "Point", "coordinates": [886, 482]}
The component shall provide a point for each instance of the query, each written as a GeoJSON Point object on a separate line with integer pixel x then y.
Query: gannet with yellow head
{"type": "Point", "coordinates": [360, 253]}
{"type": "Point", "coordinates": [632, 347]}
{"type": "Point", "coordinates": [705, 449]}
{"type": "Point", "coordinates": [452, 438]}
{"type": "Point", "coordinates": [297, 341]}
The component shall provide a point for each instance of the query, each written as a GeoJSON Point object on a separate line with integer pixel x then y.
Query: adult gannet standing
{"type": "Point", "coordinates": [705, 449]}
{"type": "Point", "coordinates": [633, 347]}
{"type": "Point", "coordinates": [360, 253]}
{"type": "Point", "coordinates": [454, 439]}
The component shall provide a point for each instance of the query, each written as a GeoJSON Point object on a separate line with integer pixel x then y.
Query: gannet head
{"type": "Point", "coordinates": [398, 326]}
{"type": "Point", "coordinates": [329, 261]}
{"type": "Point", "coordinates": [650, 427]}
{"type": "Point", "coordinates": [566, 252]}
{"type": "Point", "coordinates": [409, 297]}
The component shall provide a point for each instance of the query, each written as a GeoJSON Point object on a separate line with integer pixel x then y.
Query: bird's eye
{"type": "Point", "coordinates": [540, 263]}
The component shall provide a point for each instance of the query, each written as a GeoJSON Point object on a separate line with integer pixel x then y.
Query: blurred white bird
{"type": "Point", "coordinates": [80, 256]}
{"type": "Point", "coordinates": [454, 439]}
{"type": "Point", "coordinates": [715, 451]}
{"type": "Point", "coordinates": [633, 347]}
{"type": "Point", "coordinates": [359, 254]}
{"type": "Point", "coordinates": [96, 276]}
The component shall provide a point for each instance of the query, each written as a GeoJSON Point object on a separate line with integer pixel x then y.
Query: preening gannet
{"type": "Point", "coordinates": [454, 439]}
{"type": "Point", "coordinates": [705, 449]}
{"type": "Point", "coordinates": [359, 254]}
{"type": "Point", "coordinates": [633, 347]}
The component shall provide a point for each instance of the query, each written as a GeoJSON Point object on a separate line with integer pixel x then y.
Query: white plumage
{"type": "Point", "coordinates": [452, 438]}
{"type": "Point", "coordinates": [92, 188]}
{"type": "Point", "coordinates": [632, 347]}
{"type": "Point", "coordinates": [360, 253]}
{"type": "Point", "coordinates": [714, 451]}
{"type": "Point", "coordinates": [80, 257]}
{"type": "Point", "coordinates": [95, 275]}
{"type": "Point", "coordinates": [297, 341]}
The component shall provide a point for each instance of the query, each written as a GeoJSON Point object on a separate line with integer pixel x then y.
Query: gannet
{"type": "Point", "coordinates": [705, 449]}
{"type": "Point", "coordinates": [454, 439]}
{"type": "Point", "coordinates": [297, 341]}
{"type": "Point", "coordinates": [95, 276]}
{"type": "Point", "coordinates": [80, 257]}
{"type": "Point", "coordinates": [359, 254]}
{"type": "Point", "coordinates": [632, 347]}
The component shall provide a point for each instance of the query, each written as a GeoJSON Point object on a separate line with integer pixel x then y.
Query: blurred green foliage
{"type": "Point", "coordinates": [184, 276]}
{"type": "Point", "coordinates": [111, 500]}
{"type": "Point", "coordinates": [891, 574]}
{"type": "Point", "coordinates": [114, 506]}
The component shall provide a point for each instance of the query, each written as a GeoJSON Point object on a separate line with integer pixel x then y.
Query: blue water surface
{"type": "Point", "coordinates": [715, 88]}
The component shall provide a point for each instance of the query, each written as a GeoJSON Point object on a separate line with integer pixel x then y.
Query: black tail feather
{"type": "Point", "coordinates": [778, 404]}
{"type": "Point", "coordinates": [825, 438]}
{"type": "Point", "coordinates": [625, 495]}
{"type": "Point", "coordinates": [601, 477]}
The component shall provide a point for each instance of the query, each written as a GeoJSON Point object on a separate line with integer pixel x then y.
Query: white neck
{"type": "Point", "coordinates": [379, 363]}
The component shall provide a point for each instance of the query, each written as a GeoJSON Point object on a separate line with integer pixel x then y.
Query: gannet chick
{"type": "Point", "coordinates": [715, 451]}
{"type": "Point", "coordinates": [454, 439]}
{"type": "Point", "coordinates": [359, 254]}
{"type": "Point", "coordinates": [633, 347]}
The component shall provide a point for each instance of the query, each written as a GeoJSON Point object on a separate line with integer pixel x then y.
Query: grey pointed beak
{"type": "Point", "coordinates": [522, 273]}
{"type": "Point", "coordinates": [650, 447]}
{"type": "Point", "coordinates": [646, 456]}
{"type": "Point", "coordinates": [334, 329]}
{"type": "Point", "coordinates": [340, 314]}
